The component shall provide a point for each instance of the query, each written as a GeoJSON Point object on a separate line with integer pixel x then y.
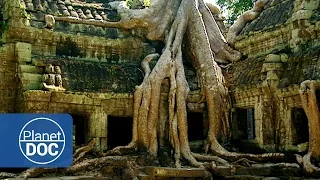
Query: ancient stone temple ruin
{"type": "Point", "coordinates": [71, 56]}
{"type": "Point", "coordinates": [282, 49]}
{"type": "Point", "coordinates": [74, 64]}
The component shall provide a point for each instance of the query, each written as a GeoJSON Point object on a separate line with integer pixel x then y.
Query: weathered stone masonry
{"type": "Point", "coordinates": [282, 49]}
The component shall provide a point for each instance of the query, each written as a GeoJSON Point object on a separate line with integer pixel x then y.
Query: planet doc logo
{"type": "Point", "coordinates": [42, 141]}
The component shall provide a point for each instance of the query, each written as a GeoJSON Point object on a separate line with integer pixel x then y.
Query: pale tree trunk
{"type": "Point", "coordinates": [311, 108]}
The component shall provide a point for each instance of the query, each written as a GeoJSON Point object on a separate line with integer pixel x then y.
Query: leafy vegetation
{"type": "Point", "coordinates": [234, 8]}
{"type": "Point", "coordinates": [135, 4]}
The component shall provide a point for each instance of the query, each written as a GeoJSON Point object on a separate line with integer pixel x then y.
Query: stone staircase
{"type": "Point", "coordinates": [163, 173]}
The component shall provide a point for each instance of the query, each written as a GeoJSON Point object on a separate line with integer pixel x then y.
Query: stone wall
{"type": "Point", "coordinates": [8, 78]}
{"type": "Point", "coordinates": [87, 63]}
{"type": "Point", "coordinates": [292, 31]}
{"type": "Point", "coordinates": [94, 106]}
{"type": "Point", "coordinates": [273, 114]}
{"type": "Point", "coordinates": [281, 49]}
{"type": "Point", "coordinates": [93, 64]}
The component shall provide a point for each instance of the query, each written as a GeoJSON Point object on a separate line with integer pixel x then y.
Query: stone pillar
{"type": "Point", "coordinates": [268, 126]}
{"type": "Point", "coordinates": [250, 124]}
{"type": "Point", "coordinates": [97, 127]}
{"type": "Point", "coordinates": [286, 124]}
{"type": "Point", "coordinates": [272, 67]}
{"type": "Point", "coordinates": [259, 120]}
{"type": "Point", "coordinates": [8, 78]}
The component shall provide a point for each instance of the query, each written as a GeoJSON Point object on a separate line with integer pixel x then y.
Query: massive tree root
{"type": "Point", "coordinates": [194, 22]}
{"type": "Point", "coordinates": [78, 154]}
{"type": "Point", "coordinates": [81, 152]}
{"type": "Point", "coordinates": [244, 18]}
{"type": "Point", "coordinates": [311, 108]}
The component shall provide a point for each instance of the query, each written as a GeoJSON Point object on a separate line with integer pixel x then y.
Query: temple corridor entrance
{"type": "Point", "coordinates": [195, 126]}
{"type": "Point", "coordinates": [300, 129]}
{"type": "Point", "coordinates": [119, 131]}
{"type": "Point", "coordinates": [80, 129]}
{"type": "Point", "coordinates": [244, 124]}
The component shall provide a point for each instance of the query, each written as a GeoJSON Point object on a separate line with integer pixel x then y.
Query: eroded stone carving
{"type": "Point", "coordinates": [57, 70]}
{"type": "Point", "coordinates": [52, 80]}
{"type": "Point", "coordinates": [49, 69]}
{"type": "Point", "coordinates": [50, 21]}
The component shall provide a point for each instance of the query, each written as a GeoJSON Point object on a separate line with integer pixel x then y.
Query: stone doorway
{"type": "Point", "coordinates": [244, 124]}
{"type": "Point", "coordinates": [195, 126]}
{"type": "Point", "coordinates": [80, 129]}
{"type": "Point", "coordinates": [119, 131]}
{"type": "Point", "coordinates": [300, 129]}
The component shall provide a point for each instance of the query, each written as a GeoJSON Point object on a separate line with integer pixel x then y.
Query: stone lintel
{"type": "Point", "coordinates": [174, 172]}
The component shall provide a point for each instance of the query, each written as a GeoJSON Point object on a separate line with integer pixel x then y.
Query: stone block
{"type": "Point", "coordinates": [92, 178]}
{"type": "Point", "coordinates": [45, 178]}
{"type": "Point", "coordinates": [242, 177]}
{"type": "Point", "coordinates": [301, 14]}
{"type": "Point", "coordinates": [59, 107]}
{"type": "Point", "coordinates": [66, 98]}
{"type": "Point", "coordinates": [7, 82]}
{"type": "Point", "coordinates": [174, 172]}
{"type": "Point", "coordinates": [97, 102]}
{"type": "Point", "coordinates": [31, 77]}
{"type": "Point", "coordinates": [87, 100]}
{"type": "Point", "coordinates": [270, 170]}
{"type": "Point", "coordinates": [23, 51]}
{"type": "Point", "coordinates": [222, 171]}
{"type": "Point", "coordinates": [37, 96]}
{"type": "Point", "coordinates": [196, 107]}
{"type": "Point", "coordinates": [163, 178]}
{"type": "Point", "coordinates": [142, 176]}
{"type": "Point", "coordinates": [36, 62]}
{"type": "Point", "coordinates": [270, 178]}
{"type": "Point", "coordinates": [96, 95]}
{"type": "Point", "coordinates": [32, 106]}
{"type": "Point", "coordinates": [272, 58]}
{"type": "Point", "coordinates": [98, 146]}
{"type": "Point", "coordinates": [194, 97]}
{"type": "Point", "coordinates": [31, 85]}
{"type": "Point", "coordinates": [30, 69]}
{"type": "Point", "coordinates": [69, 178]}
{"type": "Point", "coordinates": [8, 69]}
{"type": "Point", "coordinates": [103, 143]}
{"type": "Point", "coordinates": [310, 5]}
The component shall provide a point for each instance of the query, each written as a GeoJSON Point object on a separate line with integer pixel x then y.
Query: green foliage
{"type": "Point", "coordinates": [234, 8]}
{"type": "Point", "coordinates": [129, 3]}
{"type": "Point", "coordinates": [147, 3]}
{"type": "Point", "coordinates": [135, 4]}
